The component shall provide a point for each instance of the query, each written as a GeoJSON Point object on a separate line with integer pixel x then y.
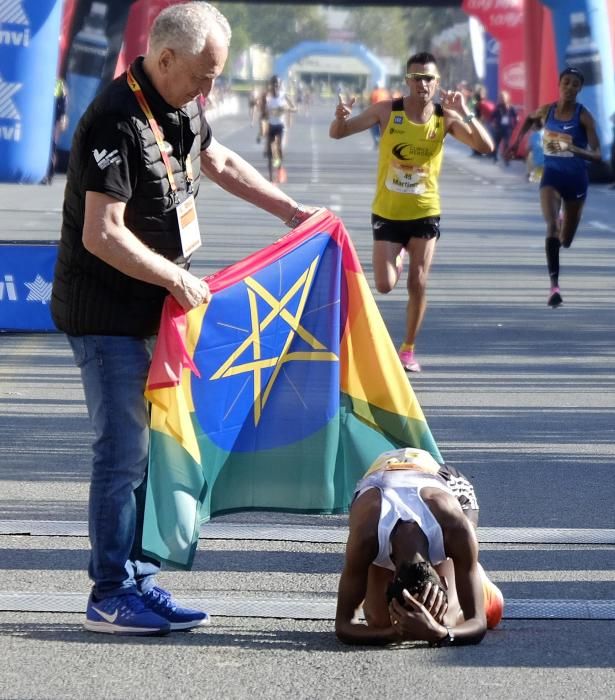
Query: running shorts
{"type": "Point", "coordinates": [275, 130]}
{"type": "Point", "coordinates": [402, 231]}
{"type": "Point", "coordinates": [460, 486]}
{"type": "Point", "coordinates": [570, 186]}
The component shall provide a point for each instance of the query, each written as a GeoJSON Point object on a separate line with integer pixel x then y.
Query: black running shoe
{"type": "Point", "coordinates": [555, 298]}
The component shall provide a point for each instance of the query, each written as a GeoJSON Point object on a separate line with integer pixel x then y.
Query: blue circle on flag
{"type": "Point", "coordinates": [268, 351]}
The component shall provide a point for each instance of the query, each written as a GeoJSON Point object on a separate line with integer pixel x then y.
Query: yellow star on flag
{"type": "Point", "coordinates": [319, 352]}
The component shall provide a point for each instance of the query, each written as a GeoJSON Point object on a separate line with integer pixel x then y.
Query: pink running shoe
{"type": "Point", "coordinates": [408, 362]}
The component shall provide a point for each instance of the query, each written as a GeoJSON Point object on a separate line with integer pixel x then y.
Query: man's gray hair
{"type": "Point", "coordinates": [184, 27]}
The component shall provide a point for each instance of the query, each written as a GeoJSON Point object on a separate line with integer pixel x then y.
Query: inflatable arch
{"type": "Point", "coordinates": [29, 31]}
{"type": "Point", "coordinates": [309, 48]}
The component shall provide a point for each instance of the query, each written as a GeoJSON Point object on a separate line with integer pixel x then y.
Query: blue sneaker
{"type": "Point", "coordinates": [162, 603]}
{"type": "Point", "coordinates": [124, 614]}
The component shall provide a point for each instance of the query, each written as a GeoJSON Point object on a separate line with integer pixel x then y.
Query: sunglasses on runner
{"type": "Point", "coordinates": [427, 77]}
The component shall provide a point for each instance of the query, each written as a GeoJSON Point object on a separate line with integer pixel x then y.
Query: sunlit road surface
{"type": "Point", "coordinates": [519, 397]}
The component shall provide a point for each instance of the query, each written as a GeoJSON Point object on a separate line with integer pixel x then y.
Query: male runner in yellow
{"type": "Point", "coordinates": [406, 206]}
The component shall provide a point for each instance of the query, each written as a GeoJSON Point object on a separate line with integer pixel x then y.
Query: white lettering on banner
{"type": "Point", "coordinates": [506, 19]}
{"type": "Point", "coordinates": [10, 133]}
{"type": "Point", "coordinates": [12, 12]}
{"type": "Point", "coordinates": [40, 290]}
{"type": "Point", "coordinates": [15, 38]}
{"type": "Point", "coordinates": [8, 287]}
{"type": "Point", "coordinates": [513, 76]}
{"type": "Point", "coordinates": [488, 5]}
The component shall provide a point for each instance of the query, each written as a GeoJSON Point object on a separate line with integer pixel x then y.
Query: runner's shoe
{"type": "Point", "coordinates": [408, 361]}
{"type": "Point", "coordinates": [494, 600]}
{"type": "Point", "coordinates": [555, 298]}
{"type": "Point", "coordinates": [124, 614]}
{"type": "Point", "coordinates": [162, 603]}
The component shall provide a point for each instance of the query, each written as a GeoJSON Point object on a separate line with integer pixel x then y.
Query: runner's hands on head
{"type": "Point", "coordinates": [413, 620]}
{"type": "Point", "coordinates": [452, 99]}
{"type": "Point", "coordinates": [190, 291]}
{"type": "Point", "coordinates": [343, 111]}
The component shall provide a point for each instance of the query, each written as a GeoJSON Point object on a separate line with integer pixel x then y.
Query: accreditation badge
{"type": "Point", "coordinates": [189, 232]}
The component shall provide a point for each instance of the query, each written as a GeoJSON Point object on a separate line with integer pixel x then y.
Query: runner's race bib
{"type": "Point", "coordinates": [405, 178]}
{"type": "Point", "coordinates": [552, 140]}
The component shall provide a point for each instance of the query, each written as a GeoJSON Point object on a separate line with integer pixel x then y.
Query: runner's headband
{"type": "Point", "coordinates": [569, 70]}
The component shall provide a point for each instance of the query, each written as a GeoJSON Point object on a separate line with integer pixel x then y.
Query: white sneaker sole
{"type": "Point", "coordinates": [110, 628]}
{"type": "Point", "coordinates": [178, 626]}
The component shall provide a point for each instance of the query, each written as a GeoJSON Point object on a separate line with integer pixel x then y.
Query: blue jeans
{"type": "Point", "coordinates": [113, 372]}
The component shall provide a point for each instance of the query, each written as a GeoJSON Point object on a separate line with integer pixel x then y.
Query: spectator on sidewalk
{"type": "Point", "coordinates": [503, 122]}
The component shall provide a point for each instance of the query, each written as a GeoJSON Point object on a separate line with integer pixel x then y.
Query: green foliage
{"type": "Point", "coordinates": [424, 23]}
{"type": "Point", "coordinates": [397, 31]}
{"type": "Point", "coordinates": [273, 25]}
{"type": "Point", "coordinates": [380, 29]}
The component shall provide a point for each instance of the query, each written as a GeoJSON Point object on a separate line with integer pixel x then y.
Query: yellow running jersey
{"type": "Point", "coordinates": [404, 458]}
{"type": "Point", "coordinates": [409, 166]}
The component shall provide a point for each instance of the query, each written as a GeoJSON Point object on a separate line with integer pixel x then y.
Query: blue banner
{"type": "Point", "coordinates": [583, 40]}
{"type": "Point", "coordinates": [26, 274]}
{"type": "Point", "coordinates": [87, 58]}
{"type": "Point", "coordinates": [29, 49]}
{"type": "Point", "coordinates": [492, 61]}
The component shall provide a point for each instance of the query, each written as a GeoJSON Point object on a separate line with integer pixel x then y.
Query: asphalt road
{"type": "Point", "coordinates": [519, 397]}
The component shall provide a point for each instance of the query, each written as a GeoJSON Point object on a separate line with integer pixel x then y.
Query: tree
{"type": "Point", "coordinates": [424, 23]}
{"type": "Point", "coordinates": [382, 30]}
{"type": "Point", "coordinates": [276, 26]}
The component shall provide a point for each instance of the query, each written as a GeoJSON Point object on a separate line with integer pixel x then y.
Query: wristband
{"type": "Point", "coordinates": [296, 218]}
{"type": "Point", "coordinates": [447, 641]}
{"type": "Point", "coordinates": [469, 117]}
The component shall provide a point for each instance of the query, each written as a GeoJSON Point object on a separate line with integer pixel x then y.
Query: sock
{"type": "Point", "coordinates": [552, 246]}
{"type": "Point", "coordinates": [406, 347]}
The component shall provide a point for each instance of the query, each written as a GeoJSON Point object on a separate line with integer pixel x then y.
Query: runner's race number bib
{"type": "Point", "coordinates": [405, 178]}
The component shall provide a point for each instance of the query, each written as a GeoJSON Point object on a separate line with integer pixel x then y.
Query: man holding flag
{"type": "Point", "coordinates": [129, 228]}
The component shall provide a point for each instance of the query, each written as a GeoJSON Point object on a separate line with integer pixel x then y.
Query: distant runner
{"type": "Point", "coordinates": [277, 103]}
{"type": "Point", "coordinates": [569, 129]}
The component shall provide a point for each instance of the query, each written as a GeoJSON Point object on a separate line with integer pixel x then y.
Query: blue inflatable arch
{"type": "Point", "coordinates": [321, 48]}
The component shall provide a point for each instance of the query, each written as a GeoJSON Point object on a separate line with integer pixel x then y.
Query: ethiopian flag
{"type": "Point", "coordinates": [277, 395]}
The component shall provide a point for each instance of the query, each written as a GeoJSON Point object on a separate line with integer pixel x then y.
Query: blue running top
{"type": "Point", "coordinates": [568, 131]}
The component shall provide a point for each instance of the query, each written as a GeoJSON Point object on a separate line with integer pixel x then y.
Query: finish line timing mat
{"type": "Point", "coordinates": [320, 607]}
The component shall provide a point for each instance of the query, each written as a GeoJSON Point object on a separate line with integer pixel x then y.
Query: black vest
{"type": "Point", "coordinates": [89, 296]}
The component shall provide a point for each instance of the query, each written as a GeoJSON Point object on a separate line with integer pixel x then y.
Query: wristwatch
{"type": "Point", "coordinates": [447, 641]}
{"type": "Point", "coordinates": [468, 117]}
{"type": "Point", "coordinates": [297, 218]}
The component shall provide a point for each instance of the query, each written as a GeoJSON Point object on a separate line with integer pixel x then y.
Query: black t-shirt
{"type": "Point", "coordinates": [113, 153]}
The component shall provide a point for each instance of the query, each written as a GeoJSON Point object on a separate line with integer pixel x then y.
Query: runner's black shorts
{"type": "Point", "coordinates": [402, 231]}
{"type": "Point", "coordinates": [275, 130]}
{"type": "Point", "coordinates": [459, 484]}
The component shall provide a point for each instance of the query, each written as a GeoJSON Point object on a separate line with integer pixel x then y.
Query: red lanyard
{"type": "Point", "coordinates": [136, 88]}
